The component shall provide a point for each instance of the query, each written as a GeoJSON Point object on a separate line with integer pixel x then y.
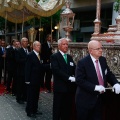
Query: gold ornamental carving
{"type": "Point", "coordinates": [32, 34]}
{"type": "Point", "coordinates": [110, 51]}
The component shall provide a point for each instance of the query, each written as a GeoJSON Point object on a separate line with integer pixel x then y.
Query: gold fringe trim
{"type": "Point", "coordinates": [32, 12]}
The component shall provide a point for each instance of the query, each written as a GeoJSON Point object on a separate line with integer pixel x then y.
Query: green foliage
{"type": "Point", "coordinates": [9, 24]}
{"type": "Point", "coordinates": [37, 0]}
{"type": "Point", "coordinates": [116, 7]}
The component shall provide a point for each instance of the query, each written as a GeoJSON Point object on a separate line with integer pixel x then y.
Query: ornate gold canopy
{"type": "Point", "coordinates": [19, 11]}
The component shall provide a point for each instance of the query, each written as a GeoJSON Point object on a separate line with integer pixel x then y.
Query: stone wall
{"type": "Point", "coordinates": [110, 51]}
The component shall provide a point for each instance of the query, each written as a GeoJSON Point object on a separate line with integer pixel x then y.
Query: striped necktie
{"type": "Point", "coordinates": [100, 79]}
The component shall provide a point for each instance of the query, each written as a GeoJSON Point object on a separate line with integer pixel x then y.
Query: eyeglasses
{"type": "Point", "coordinates": [97, 48]}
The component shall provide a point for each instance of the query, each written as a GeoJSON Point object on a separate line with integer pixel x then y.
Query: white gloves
{"type": "Point", "coordinates": [116, 88]}
{"type": "Point", "coordinates": [72, 79]}
{"type": "Point", "coordinates": [27, 83]}
{"type": "Point", "coordinates": [99, 88]}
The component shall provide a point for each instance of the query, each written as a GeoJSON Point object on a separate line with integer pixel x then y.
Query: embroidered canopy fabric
{"type": "Point", "coordinates": [18, 11]}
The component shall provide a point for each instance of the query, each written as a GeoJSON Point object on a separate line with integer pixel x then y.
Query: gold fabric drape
{"type": "Point", "coordinates": [31, 9]}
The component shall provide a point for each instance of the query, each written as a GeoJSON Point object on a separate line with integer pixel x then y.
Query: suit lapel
{"type": "Point", "coordinates": [102, 68]}
{"type": "Point", "coordinates": [91, 66]}
{"type": "Point", "coordinates": [35, 56]}
{"type": "Point", "coordinates": [68, 60]}
{"type": "Point", "coordinates": [61, 58]}
{"type": "Point", "coordinates": [23, 52]}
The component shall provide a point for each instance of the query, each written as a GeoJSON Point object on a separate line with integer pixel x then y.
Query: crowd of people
{"type": "Point", "coordinates": [78, 90]}
{"type": "Point", "coordinates": [15, 71]}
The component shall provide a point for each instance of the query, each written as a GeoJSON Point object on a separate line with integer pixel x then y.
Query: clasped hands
{"type": "Point", "coordinates": [27, 83]}
{"type": "Point", "coordinates": [72, 79]}
{"type": "Point", "coordinates": [101, 89]}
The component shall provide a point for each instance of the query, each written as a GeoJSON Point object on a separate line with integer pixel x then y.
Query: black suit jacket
{"type": "Point", "coordinates": [61, 73]}
{"type": "Point", "coordinates": [33, 69]}
{"type": "Point", "coordinates": [1, 57]}
{"type": "Point", "coordinates": [46, 52]}
{"type": "Point", "coordinates": [86, 80]}
{"type": "Point", "coordinates": [10, 57]}
{"type": "Point", "coordinates": [21, 60]}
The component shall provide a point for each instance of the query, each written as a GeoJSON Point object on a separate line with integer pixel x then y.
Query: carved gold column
{"type": "Point", "coordinates": [32, 34]}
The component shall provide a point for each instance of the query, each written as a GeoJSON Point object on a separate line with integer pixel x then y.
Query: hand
{"type": "Point", "coordinates": [4, 55]}
{"type": "Point", "coordinates": [72, 79]}
{"type": "Point", "coordinates": [27, 83]}
{"type": "Point", "coordinates": [116, 88]}
{"type": "Point", "coordinates": [50, 66]}
{"type": "Point", "coordinates": [100, 88]}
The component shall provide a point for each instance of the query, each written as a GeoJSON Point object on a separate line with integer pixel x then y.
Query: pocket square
{"type": "Point", "coordinates": [105, 71]}
{"type": "Point", "coordinates": [71, 64]}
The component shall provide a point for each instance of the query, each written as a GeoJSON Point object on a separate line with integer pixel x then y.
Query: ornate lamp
{"type": "Point", "coordinates": [67, 19]}
{"type": "Point", "coordinates": [32, 34]}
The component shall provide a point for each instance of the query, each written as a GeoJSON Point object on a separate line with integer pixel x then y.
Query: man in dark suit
{"type": "Point", "coordinates": [11, 67]}
{"type": "Point", "coordinates": [21, 56]}
{"type": "Point", "coordinates": [3, 60]}
{"type": "Point", "coordinates": [63, 68]}
{"type": "Point", "coordinates": [46, 52]}
{"type": "Point", "coordinates": [0, 61]}
{"type": "Point", "coordinates": [92, 75]}
{"type": "Point", "coordinates": [33, 72]}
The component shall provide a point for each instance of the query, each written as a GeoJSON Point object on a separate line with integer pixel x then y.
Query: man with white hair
{"type": "Point", "coordinates": [21, 55]}
{"type": "Point", "coordinates": [64, 87]}
{"type": "Point", "coordinates": [33, 73]}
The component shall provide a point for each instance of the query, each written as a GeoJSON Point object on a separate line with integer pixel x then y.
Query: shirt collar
{"type": "Point", "coordinates": [35, 52]}
{"type": "Point", "coordinates": [24, 48]}
{"type": "Point", "coordinates": [93, 59]}
{"type": "Point", "coordinates": [62, 52]}
{"type": "Point", "coordinates": [13, 47]}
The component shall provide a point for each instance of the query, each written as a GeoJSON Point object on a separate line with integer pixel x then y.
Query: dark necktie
{"type": "Point", "coordinates": [100, 79]}
{"type": "Point", "coordinates": [3, 50]}
{"type": "Point", "coordinates": [26, 51]}
{"type": "Point", "coordinates": [49, 44]}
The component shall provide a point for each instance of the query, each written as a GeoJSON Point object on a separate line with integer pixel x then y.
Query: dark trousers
{"type": "Point", "coordinates": [93, 112]}
{"type": "Point", "coordinates": [4, 69]}
{"type": "Point", "coordinates": [10, 80]}
{"type": "Point", "coordinates": [21, 94]}
{"type": "Point", "coordinates": [0, 73]}
{"type": "Point", "coordinates": [32, 98]}
{"type": "Point", "coordinates": [5, 74]}
{"type": "Point", "coordinates": [63, 106]}
{"type": "Point", "coordinates": [47, 75]}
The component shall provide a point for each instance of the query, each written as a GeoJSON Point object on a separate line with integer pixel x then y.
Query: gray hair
{"type": "Point", "coordinates": [60, 40]}
{"type": "Point", "coordinates": [23, 39]}
{"type": "Point", "coordinates": [35, 42]}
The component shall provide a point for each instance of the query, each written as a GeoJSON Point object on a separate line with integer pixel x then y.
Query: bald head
{"type": "Point", "coordinates": [93, 43]}
{"type": "Point", "coordinates": [95, 48]}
